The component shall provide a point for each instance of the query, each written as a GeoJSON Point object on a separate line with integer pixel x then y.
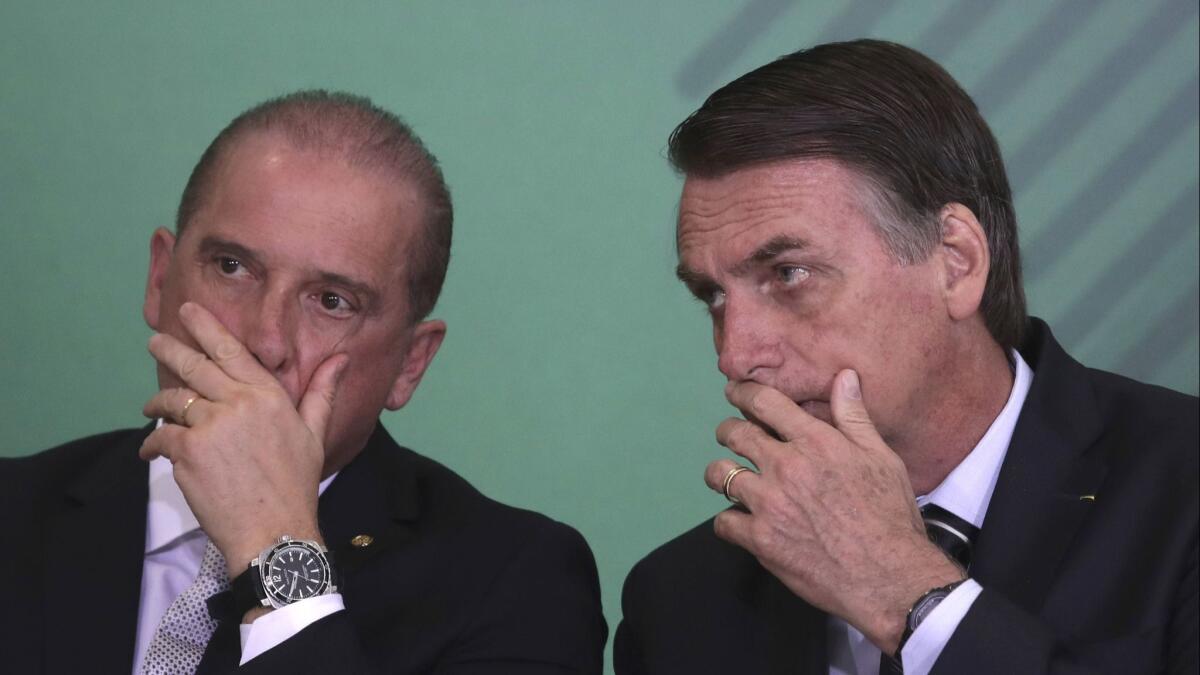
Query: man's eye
{"type": "Point", "coordinates": [791, 274]}
{"type": "Point", "coordinates": [334, 302]}
{"type": "Point", "coordinates": [714, 299]}
{"type": "Point", "coordinates": [229, 266]}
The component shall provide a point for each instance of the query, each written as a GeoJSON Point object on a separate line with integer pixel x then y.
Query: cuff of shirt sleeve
{"type": "Point", "coordinates": [926, 643]}
{"type": "Point", "coordinates": [274, 627]}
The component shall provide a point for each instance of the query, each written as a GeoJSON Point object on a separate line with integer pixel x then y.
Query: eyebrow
{"type": "Point", "coordinates": [368, 296]}
{"type": "Point", "coordinates": [768, 251]}
{"type": "Point", "coordinates": [210, 245]}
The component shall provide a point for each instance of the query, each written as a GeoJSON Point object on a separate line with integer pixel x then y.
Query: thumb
{"type": "Point", "coordinates": [850, 414]}
{"type": "Point", "coordinates": [317, 405]}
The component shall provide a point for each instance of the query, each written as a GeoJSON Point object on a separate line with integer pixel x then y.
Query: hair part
{"type": "Point", "coordinates": [364, 135]}
{"type": "Point", "coordinates": [895, 117]}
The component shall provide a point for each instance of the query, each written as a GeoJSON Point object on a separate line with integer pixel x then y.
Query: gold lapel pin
{"type": "Point", "coordinates": [1087, 498]}
{"type": "Point", "coordinates": [362, 541]}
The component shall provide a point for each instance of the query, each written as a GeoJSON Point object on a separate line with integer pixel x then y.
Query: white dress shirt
{"type": "Point", "coordinates": [966, 493]}
{"type": "Point", "coordinates": [174, 547]}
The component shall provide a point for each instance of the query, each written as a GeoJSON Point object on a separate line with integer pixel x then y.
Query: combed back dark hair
{"type": "Point", "coordinates": [364, 135]}
{"type": "Point", "coordinates": [896, 118]}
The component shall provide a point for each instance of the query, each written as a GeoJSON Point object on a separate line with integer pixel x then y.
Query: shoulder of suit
{"type": "Point", "coordinates": [694, 559]}
{"type": "Point", "coordinates": [1153, 422]}
{"type": "Point", "coordinates": [63, 462]}
{"type": "Point", "coordinates": [35, 486]}
{"type": "Point", "coordinates": [448, 496]}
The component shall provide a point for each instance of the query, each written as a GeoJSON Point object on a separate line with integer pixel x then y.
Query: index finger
{"type": "Point", "coordinates": [222, 347]}
{"type": "Point", "coordinates": [771, 408]}
{"type": "Point", "coordinates": [193, 368]}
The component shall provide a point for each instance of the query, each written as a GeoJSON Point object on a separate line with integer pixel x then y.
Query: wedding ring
{"type": "Point", "coordinates": [729, 480]}
{"type": "Point", "coordinates": [183, 413]}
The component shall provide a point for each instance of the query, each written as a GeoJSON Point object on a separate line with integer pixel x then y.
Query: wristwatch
{"type": "Point", "coordinates": [290, 570]}
{"type": "Point", "coordinates": [922, 609]}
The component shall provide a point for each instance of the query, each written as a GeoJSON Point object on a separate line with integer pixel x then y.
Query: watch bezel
{"type": "Point", "coordinates": [273, 594]}
{"type": "Point", "coordinates": [921, 609]}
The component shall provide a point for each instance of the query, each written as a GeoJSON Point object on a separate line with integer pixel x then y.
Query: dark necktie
{"type": "Point", "coordinates": [953, 535]}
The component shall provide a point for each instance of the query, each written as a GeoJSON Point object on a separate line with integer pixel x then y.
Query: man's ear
{"type": "Point", "coordinates": [426, 339]}
{"type": "Point", "coordinates": [162, 245]}
{"type": "Point", "coordinates": [966, 260]}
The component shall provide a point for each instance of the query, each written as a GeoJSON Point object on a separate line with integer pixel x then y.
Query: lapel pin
{"type": "Point", "coordinates": [1087, 498]}
{"type": "Point", "coordinates": [362, 541]}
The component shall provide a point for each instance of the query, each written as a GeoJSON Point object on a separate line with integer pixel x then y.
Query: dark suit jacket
{"type": "Point", "coordinates": [1070, 585]}
{"type": "Point", "coordinates": [453, 582]}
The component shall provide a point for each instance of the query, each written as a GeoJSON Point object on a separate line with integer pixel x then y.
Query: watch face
{"type": "Point", "coordinates": [925, 607]}
{"type": "Point", "coordinates": [295, 571]}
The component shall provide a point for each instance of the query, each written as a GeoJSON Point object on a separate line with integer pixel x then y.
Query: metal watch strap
{"type": "Point", "coordinates": [909, 625]}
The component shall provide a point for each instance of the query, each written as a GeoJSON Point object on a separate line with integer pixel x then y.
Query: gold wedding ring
{"type": "Point", "coordinates": [183, 413]}
{"type": "Point", "coordinates": [729, 480]}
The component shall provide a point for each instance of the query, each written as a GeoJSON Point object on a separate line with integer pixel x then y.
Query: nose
{"type": "Point", "coordinates": [747, 345]}
{"type": "Point", "coordinates": [270, 329]}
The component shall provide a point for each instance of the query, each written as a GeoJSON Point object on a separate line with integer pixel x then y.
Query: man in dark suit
{"type": "Point", "coordinates": [936, 486]}
{"type": "Point", "coordinates": [276, 527]}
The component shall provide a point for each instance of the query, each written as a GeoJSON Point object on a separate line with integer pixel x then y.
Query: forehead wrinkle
{"type": "Point", "coordinates": [748, 211]}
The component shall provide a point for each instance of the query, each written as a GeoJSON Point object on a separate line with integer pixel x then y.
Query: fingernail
{"type": "Point", "coordinates": [852, 388]}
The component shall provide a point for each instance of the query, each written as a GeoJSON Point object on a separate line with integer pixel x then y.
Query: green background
{"type": "Point", "coordinates": [578, 379]}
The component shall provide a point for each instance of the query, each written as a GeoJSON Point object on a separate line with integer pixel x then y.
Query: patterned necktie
{"type": "Point", "coordinates": [186, 628]}
{"type": "Point", "coordinates": [953, 535]}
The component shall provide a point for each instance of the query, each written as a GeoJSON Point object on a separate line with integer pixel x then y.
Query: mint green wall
{"type": "Point", "coordinates": [577, 379]}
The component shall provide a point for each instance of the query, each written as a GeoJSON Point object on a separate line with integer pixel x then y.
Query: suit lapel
{"type": "Point", "coordinates": [375, 495]}
{"type": "Point", "coordinates": [795, 632]}
{"type": "Point", "coordinates": [94, 565]}
{"type": "Point", "coordinates": [1037, 505]}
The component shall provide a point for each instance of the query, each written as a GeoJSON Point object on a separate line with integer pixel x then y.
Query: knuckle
{"type": "Point", "coordinates": [739, 434]}
{"type": "Point", "coordinates": [721, 525]}
{"type": "Point", "coordinates": [243, 403]}
{"type": "Point", "coordinates": [759, 403]}
{"type": "Point", "coordinates": [771, 508]}
{"type": "Point", "coordinates": [177, 448]}
{"type": "Point", "coordinates": [190, 364]}
{"type": "Point", "coordinates": [228, 350]}
{"type": "Point", "coordinates": [763, 535]}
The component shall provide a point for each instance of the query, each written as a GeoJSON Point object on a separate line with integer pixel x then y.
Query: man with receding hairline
{"type": "Point", "coordinates": [267, 522]}
{"type": "Point", "coordinates": [927, 482]}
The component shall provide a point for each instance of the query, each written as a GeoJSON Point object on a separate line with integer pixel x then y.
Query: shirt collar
{"type": "Point", "coordinates": [168, 517]}
{"type": "Point", "coordinates": [968, 489]}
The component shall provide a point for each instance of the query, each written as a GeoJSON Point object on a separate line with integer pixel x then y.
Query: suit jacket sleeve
{"type": "Point", "coordinates": [542, 616]}
{"type": "Point", "coordinates": [998, 637]}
